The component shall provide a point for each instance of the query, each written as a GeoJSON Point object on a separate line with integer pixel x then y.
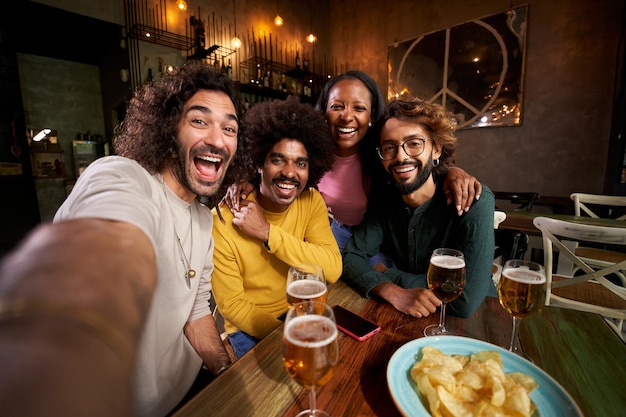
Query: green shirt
{"type": "Point", "coordinates": [409, 237]}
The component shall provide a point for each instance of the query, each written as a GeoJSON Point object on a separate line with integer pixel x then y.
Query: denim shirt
{"type": "Point", "coordinates": [410, 236]}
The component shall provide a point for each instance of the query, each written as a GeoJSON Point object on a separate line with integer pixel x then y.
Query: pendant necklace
{"type": "Point", "coordinates": [190, 273]}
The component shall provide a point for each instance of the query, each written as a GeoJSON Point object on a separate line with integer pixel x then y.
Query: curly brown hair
{"type": "Point", "coordinates": [267, 123]}
{"type": "Point", "coordinates": [148, 133]}
{"type": "Point", "coordinates": [434, 118]}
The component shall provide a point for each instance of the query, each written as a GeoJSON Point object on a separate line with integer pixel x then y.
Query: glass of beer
{"type": "Point", "coordinates": [446, 279]}
{"type": "Point", "coordinates": [306, 282]}
{"type": "Point", "coordinates": [310, 348]}
{"type": "Point", "coordinates": [522, 293]}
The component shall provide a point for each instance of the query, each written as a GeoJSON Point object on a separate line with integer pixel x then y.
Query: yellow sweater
{"type": "Point", "coordinates": [249, 281]}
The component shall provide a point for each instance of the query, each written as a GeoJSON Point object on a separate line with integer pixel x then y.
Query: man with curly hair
{"type": "Point", "coordinates": [178, 138]}
{"type": "Point", "coordinates": [282, 222]}
{"type": "Point", "coordinates": [416, 148]}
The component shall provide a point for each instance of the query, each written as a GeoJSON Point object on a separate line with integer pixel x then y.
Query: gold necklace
{"type": "Point", "coordinates": [191, 273]}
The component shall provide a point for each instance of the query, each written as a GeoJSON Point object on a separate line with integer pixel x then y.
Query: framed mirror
{"type": "Point", "coordinates": [475, 69]}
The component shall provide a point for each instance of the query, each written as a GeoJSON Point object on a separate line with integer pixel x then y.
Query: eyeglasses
{"type": "Point", "coordinates": [412, 147]}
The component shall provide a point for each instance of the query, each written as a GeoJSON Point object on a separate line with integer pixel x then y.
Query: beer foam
{"type": "Point", "coordinates": [302, 288]}
{"type": "Point", "coordinates": [524, 275]}
{"type": "Point", "coordinates": [448, 261]}
{"type": "Point", "coordinates": [299, 330]}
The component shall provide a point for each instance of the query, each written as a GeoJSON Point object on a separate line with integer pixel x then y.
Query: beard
{"type": "Point", "coordinates": [423, 174]}
{"type": "Point", "coordinates": [181, 170]}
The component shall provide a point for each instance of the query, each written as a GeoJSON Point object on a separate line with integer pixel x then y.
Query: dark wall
{"type": "Point", "coordinates": [36, 29]}
{"type": "Point", "coordinates": [571, 74]}
{"type": "Point", "coordinates": [18, 201]}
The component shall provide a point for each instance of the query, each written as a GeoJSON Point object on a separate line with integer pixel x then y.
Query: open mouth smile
{"type": "Point", "coordinates": [346, 130]}
{"type": "Point", "coordinates": [208, 166]}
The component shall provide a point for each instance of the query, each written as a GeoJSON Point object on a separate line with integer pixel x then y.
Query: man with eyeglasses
{"type": "Point", "coordinates": [409, 218]}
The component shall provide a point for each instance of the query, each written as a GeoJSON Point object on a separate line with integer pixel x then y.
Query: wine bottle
{"type": "Point", "coordinates": [297, 60]}
{"type": "Point", "coordinates": [266, 80]}
{"type": "Point", "coordinates": [229, 70]}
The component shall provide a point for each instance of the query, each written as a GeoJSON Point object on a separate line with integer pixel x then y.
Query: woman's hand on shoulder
{"type": "Point", "coordinates": [461, 187]}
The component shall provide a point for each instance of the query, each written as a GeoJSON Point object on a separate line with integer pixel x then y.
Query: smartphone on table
{"type": "Point", "coordinates": [353, 325]}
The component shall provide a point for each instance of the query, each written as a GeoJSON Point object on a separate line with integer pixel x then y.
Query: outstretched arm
{"type": "Point", "coordinates": [73, 300]}
{"type": "Point", "coordinates": [462, 187]}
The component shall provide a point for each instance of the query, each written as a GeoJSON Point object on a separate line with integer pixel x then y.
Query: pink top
{"type": "Point", "coordinates": [342, 189]}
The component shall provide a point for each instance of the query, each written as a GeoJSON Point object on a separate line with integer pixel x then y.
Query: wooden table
{"type": "Point", "coordinates": [577, 349]}
{"type": "Point", "coordinates": [523, 220]}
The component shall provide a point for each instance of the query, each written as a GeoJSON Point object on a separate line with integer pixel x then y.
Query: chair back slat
{"type": "Point", "coordinates": [498, 217]}
{"type": "Point", "coordinates": [609, 202]}
{"type": "Point", "coordinates": [592, 290]}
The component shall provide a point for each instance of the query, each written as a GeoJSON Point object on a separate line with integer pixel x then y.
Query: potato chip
{"type": "Point", "coordinates": [471, 386]}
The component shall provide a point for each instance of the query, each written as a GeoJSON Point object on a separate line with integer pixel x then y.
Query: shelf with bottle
{"type": "Point", "coordinates": [270, 79]}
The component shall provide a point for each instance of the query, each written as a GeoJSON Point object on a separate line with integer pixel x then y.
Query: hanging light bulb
{"type": "Point", "coordinates": [311, 38]}
{"type": "Point", "coordinates": [278, 21]}
{"type": "Point", "coordinates": [235, 41]}
{"type": "Point", "coordinates": [181, 4]}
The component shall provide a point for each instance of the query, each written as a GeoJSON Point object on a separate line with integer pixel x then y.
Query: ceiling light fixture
{"type": "Point", "coordinates": [41, 134]}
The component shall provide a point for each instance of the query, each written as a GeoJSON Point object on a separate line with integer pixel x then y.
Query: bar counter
{"type": "Point", "coordinates": [577, 349]}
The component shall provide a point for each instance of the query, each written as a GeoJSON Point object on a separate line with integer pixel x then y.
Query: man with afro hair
{"type": "Point", "coordinates": [282, 222]}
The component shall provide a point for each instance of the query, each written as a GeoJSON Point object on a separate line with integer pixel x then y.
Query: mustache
{"type": "Point", "coordinates": [417, 164]}
{"type": "Point", "coordinates": [282, 178]}
{"type": "Point", "coordinates": [210, 149]}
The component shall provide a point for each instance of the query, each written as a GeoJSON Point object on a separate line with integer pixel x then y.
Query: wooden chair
{"type": "Point", "coordinates": [598, 206]}
{"type": "Point", "coordinates": [591, 291]}
{"type": "Point", "coordinates": [519, 201]}
{"type": "Point", "coordinates": [509, 244]}
{"type": "Point", "coordinates": [496, 268]}
{"type": "Point", "coordinates": [498, 217]}
{"type": "Point", "coordinates": [587, 203]}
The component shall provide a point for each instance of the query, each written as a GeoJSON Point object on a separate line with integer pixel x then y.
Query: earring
{"type": "Point", "coordinates": [436, 162]}
{"type": "Point", "coordinates": [370, 124]}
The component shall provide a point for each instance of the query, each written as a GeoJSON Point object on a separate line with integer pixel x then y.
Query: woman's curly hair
{"type": "Point", "coordinates": [433, 117]}
{"type": "Point", "coordinates": [267, 123]}
{"type": "Point", "coordinates": [148, 133]}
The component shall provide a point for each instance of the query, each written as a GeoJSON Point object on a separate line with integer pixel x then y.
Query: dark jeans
{"type": "Point", "coordinates": [243, 342]}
